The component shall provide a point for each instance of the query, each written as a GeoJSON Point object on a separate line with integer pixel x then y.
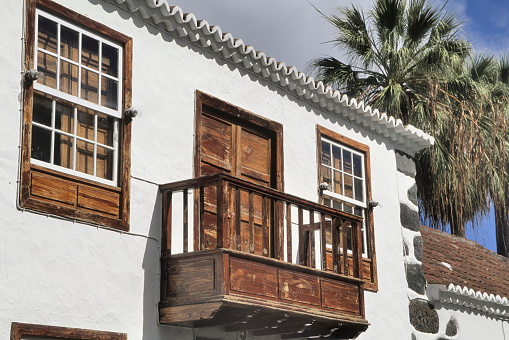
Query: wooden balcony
{"type": "Point", "coordinates": [251, 258]}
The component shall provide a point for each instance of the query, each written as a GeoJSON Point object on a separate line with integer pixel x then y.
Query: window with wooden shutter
{"type": "Point", "coordinates": [76, 152]}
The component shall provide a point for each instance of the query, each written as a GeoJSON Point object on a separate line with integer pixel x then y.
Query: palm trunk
{"type": "Point", "coordinates": [502, 229]}
{"type": "Point", "coordinates": [458, 229]}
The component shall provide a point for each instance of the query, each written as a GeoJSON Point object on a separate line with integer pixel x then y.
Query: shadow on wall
{"type": "Point", "coordinates": [152, 279]}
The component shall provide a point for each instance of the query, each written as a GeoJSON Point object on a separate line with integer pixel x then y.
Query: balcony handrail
{"type": "Point", "coordinates": [228, 221]}
{"type": "Point", "coordinates": [194, 183]}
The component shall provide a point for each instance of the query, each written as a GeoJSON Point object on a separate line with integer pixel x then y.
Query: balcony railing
{"type": "Point", "coordinates": [249, 258]}
{"type": "Point", "coordinates": [221, 211]}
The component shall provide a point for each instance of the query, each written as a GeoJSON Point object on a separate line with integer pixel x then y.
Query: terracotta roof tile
{"type": "Point", "coordinates": [472, 265]}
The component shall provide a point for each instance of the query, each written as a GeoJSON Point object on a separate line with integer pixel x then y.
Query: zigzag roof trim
{"type": "Point", "coordinates": [469, 298]}
{"type": "Point", "coordinates": [186, 25]}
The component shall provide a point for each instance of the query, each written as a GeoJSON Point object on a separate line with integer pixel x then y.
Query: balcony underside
{"type": "Point", "coordinates": [245, 292]}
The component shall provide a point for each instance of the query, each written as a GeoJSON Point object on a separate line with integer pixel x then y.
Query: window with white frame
{"type": "Point", "coordinates": [77, 102]}
{"type": "Point", "coordinates": [75, 156]}
{"type": "Point", "coordinates": [343, 169]}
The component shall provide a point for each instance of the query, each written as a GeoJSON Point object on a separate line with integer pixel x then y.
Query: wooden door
{"type": "Point", "coordinates": [229, 140]}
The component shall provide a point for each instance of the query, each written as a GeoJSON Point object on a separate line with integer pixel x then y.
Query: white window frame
{"type": "Point", "coordinates": [77, 101]}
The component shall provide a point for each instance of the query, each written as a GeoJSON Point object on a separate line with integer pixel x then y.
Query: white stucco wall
{"type": "Point", "coordinates": [61, 273]}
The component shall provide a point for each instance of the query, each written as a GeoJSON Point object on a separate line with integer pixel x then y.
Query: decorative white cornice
{"type": "Point", "coordinates": [489, 304]}
{"type": "Point", "coordinates": [172, 19]}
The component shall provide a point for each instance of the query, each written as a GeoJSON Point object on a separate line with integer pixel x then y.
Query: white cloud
{"type": "Point", "coordinates": [288, 30]}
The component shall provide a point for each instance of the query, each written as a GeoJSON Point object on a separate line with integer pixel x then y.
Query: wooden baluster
{"type": "Point", "coordinates": [222, 218]}
{"type": "Point", "coordinates": [311, 236]}
{"type": "Point", "coordinates": [288, 232]}
{"type": "Point", "coordinates": [278, 231]}
{"type": "Point", "coordinates": [237, 213]}
{"type": "Point", "coordinates": [357, 249]}
{"type": "Point", "coordinates": [302, 239]}
{"type": "Point", "coordinates": [336, 263]}
{"type": "Point", "coordinates": [251, 222]}
{"type": "Point", "coordinates": [344, 232]}
{"type": "Point", "coordinates": [323, 241]}
{"type": "Point", "coordinates": [167, 217]}
{"type": "Point", "coordinates": [185, 220]}
{"type": "Point", "coordinates": [201, 226]}
{"type": "Point", "coordinates": [265, 232]}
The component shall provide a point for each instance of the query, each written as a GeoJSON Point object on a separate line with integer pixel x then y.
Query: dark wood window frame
{"type": "Point", "coordinates": [245, 116]}
{"type": "Point", "coordinates": [240, 118]}
{"type": "Point", "coordinates": [370, 262]}
{"type": "Point", "coordinates": [21, 330]}
{"type": "Point", "coordinates": [57, 193]}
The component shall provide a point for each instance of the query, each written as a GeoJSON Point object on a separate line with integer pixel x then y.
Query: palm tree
{"type": "Point", "coordinates": [407, 59]}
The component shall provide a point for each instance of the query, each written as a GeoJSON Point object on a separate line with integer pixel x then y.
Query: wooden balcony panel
{"type": "Point", "coordinates": [242, 291]}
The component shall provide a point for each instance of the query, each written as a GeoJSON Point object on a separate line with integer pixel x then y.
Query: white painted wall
{"type": "Point", "coordinates": [61, 273]}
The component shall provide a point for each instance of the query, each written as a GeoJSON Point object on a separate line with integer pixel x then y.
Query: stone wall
{"type": "Point", "coordinates": [423, 315]}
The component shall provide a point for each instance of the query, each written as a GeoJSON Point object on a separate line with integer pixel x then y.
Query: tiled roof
{"type": "Point", "coordinates": [449, 259]}
{"type": "Point", "coordinates": [185, 25]}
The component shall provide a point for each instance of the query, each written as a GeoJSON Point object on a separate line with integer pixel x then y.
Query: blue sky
{"type": "Point", "coordinates": [293, 32]}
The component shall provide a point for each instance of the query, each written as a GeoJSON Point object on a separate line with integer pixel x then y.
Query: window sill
{"type": "Point", "coordinates": [75, 198]}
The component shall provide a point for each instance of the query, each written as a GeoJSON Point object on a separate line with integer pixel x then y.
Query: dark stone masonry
{"type": "Point", "coordinates": [412, 194]}
{"type": "Point", "coordinates": [409, 218]}
{"type": "Point", "coordinates": [405, 164]}
{"type": "Point", "coordinates": [452, 328]}
{"type": "Point", "coordinates": [423, 316]}
{"type": "Point", "coordinates": [418, 247]}
{"type": "Point", "coordinates": [415, 278]}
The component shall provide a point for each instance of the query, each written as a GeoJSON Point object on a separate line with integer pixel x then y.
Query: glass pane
{"type": "Point", "coordinates": [63, 150]}
{"type": "Point", "coordinates": [86, 123]}
{"type": "Point", "coordinates": [348, 208]}
{"type": "Point", "coordinates": [336, 154]}
{"type": "Point", "coordinates": [90, 52]}
{"type": "Point", "coordinates": [359, 193]}
{"type": "Point", "coordinates": [347, 161]}
{"type": "Point", "coordinates": [105, 129]}
{"type": "Point", "coordinates": [348, 186]}
{"type": "Point", "coordinates": [42, 110]}
{"type": "Point", "coordinates": [357, 165]}
{"type": "Point", "coordinates": [358, 211]}
{"type": "Point", "coordinates": [47, 36]}
{"type": "Point", "coordinates": [109, 60]}
{"type": "Point", "coordinates": [64, 117]}
{"type": "Point", "coordinates": [69, 40]}
{"type": "Point", "coordinates": [85, 157]}
{"type": "Point", "coordinates": [89, 86]}
{"type": "Point", "coordinates": [104, 163]}
{"type": "Point", "coordinates": [326, 201]}
{"type": "Point", "coordinates": [337, 204]}
{"type": "Point", "coordinates": [326, 176]}
{"type": "Point", "coordinates": [337, 183]}
{"type": "Point", "coordinates": [349, 236]}
{"type": "Point", "coordinates": [68, 78]}
{"type": "Point", "coordinates": [326, 153]}
{"type": "Point", "coordinates": [41, 144]}
{"type": "Point", "coordinates": [47, 64]}
{"type": "Point", "coordinates": [109, 93]}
